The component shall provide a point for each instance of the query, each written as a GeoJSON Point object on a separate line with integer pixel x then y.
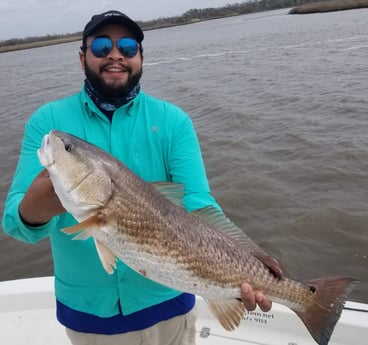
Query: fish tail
{"type": "Point", "coordinates": [329, 297]}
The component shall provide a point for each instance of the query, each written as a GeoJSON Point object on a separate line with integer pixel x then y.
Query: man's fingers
{"type": "Point", "coordinates": [251, 299]}
{"type": "Point", "coordinates": [248, 297]}
{"type": "Point", "coordinates": [263, 302]}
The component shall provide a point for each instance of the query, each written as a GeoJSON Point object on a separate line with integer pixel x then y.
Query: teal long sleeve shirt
{"type": "Point", "coordinates": [155, 139]}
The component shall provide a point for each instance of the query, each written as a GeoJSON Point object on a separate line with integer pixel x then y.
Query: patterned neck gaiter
{"type": "Point", "coordinates": [112, 103]}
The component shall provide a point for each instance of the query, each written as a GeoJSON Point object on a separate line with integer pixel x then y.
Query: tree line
{"type": "Point", "coordinates": [252, 6]}
{"type": "Point", "coordinates": [188, 17]}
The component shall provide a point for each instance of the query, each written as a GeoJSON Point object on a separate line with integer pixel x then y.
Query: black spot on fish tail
{"type": "Point", "coordinates": [312, 288]}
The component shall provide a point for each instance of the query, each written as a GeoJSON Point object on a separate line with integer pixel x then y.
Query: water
{"type": "Point", "coordinates": [280, 106]}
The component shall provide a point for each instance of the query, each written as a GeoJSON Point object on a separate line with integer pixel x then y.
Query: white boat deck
{"type": "Point", "coordinates": [27, 316]}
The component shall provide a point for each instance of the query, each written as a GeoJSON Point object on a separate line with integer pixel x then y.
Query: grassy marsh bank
{"type": "Point", "coordinates": [329, 6]}
{"type": "Point", "coordinates": [41, 43]}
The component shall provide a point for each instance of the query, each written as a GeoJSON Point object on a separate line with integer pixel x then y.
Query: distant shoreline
{"type": "Point", "coordinates": [37, 44]}
{"type": "Point", "coordinates": [75, 37]}
{"type": "Point", "coordinates": [323, 6]}
{"type": "Point", "coordinates": [78, 36]}
{"type": "Point", "coordinates": [329, 6]}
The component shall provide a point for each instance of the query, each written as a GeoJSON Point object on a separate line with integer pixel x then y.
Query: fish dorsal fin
{"type": "Point", "coordinates": [215, 217]}
{"type": "Point", "coordinates": [173, 191]}
{"type": "Point", "coordinates": [228, 311]}
{"type": "Point", "coordinates": [271, 263]}
{"type": "Point", "coordinates": [107, 257]}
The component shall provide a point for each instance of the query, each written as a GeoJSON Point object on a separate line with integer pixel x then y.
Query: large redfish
{"type": "Point", "coordinates": [201, 252]}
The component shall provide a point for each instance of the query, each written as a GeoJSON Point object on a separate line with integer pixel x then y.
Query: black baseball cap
{"type": "Point", "coordinates": [112, 17]}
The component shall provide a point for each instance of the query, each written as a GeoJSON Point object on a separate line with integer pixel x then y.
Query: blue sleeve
{"type": "Point", "coordinates": [28, 167]}
{"type": "Point", "coordinates": [186, 166]}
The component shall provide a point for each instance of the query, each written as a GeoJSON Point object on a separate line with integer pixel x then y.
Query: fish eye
{"type": "Point", "coordinates": [68, 147]}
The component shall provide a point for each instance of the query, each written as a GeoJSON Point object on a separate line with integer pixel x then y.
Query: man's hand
{"type": "Point", "coordinates": [251, 298]}
{"type": "Point", "coordinates": [40, 203]}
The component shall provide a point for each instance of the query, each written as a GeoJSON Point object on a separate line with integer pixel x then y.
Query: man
{"type": "Point", "coordinates": [157, 141]}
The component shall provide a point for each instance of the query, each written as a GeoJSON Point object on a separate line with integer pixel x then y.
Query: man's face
{"type": "Point", "coordinates": [113, 75]}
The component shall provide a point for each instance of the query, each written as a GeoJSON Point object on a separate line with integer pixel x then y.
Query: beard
{"type": "Point", "coordinates": [110, 91]}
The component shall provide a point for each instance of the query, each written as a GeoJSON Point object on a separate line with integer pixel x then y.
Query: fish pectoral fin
{"type": "Point", "coordinates": [107, 257]}
{"type": "Point", "coordinates": [227, 311]}
{"type": "Point", "coordinates": [91, 222]}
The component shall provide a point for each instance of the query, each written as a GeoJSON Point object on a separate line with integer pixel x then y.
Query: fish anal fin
{"type": "Point", "coordinates": [227, 311]}
{"type": "Point", "coordinates": [91, 222]}
{"type": "Point", "coordinates": [107, 257]}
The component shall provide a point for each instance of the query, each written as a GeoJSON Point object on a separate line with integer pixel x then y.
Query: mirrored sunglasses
{"type": "Point", "coordinates": [102, 46]}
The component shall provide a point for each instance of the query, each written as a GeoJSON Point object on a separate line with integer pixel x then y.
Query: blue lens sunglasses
{"type": "Point", "coordinates": [102, 46]}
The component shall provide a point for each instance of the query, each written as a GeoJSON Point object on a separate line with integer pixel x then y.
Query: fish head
{"type": "Point", "coordinates": [78, 171]}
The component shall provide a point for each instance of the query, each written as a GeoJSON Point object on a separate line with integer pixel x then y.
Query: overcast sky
{"type": "Point", "coordinates": [25, 18]}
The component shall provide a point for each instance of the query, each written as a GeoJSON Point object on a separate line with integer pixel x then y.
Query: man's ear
{"type": "Point", "coordinates": [82, 57]}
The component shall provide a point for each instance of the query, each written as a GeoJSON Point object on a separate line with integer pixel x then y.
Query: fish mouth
{"type": "Point", "coordinates": [44, 153]}
{"type": "Point", "coordinates": [45, 142]}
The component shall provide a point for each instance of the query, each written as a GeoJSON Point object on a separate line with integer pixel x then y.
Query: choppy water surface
{"type": "Point", "coordinates": [280, 106]}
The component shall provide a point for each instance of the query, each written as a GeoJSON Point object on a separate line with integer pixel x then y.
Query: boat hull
{"type": "Point", "coordinates": [27, 316]}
